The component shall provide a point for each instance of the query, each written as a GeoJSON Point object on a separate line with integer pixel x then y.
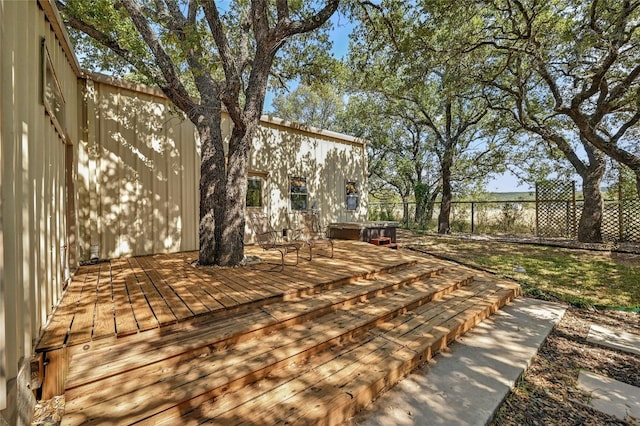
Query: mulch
{"type": "Point", "coordinates": [547, 393]}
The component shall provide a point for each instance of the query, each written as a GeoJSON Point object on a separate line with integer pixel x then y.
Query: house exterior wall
{"type": "Point", "coordinates": [34, 148]}
{"type": "Point", "coordinates": [105, 167]}
{"type": "Point", "coordinates": [327, 160]}
{"type": "Point", "coordinates": [139, 168]}
{"type": "Point", "coordinates": [137, 174]}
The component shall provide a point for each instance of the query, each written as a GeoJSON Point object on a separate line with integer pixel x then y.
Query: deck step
{"type": "Point", "coordinates": [89, 365]}
{"type": "Point", "coordinates": [292, 359]}
{"type": "Point", "coordinates": [331, 386]}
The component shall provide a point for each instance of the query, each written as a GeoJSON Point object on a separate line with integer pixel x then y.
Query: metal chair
{"type": "Point", "coordinates": [313, 235]}
{"type": "Point", "coordinates": [269, 239]}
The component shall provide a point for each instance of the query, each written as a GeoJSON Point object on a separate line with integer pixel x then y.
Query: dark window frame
{"type": "Point", "coordinates": [259, 190]}
{"type": "Point", "coordinates": [352, 197]}
{"type": "Point", "coordinates": [298, 193]}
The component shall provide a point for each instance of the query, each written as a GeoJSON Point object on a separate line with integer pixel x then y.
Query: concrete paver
{"type": "Point", "coordinates": [611, 396]}
{"type": "Point", "coordinates": [466, 384]}
{"type": "Point", "coordinates": [619, 340]}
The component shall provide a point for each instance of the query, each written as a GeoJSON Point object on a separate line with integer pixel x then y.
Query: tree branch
{"type": "Point", "coordinates": [173, 87]}
{"type": "Point", "coordinates": [107, 41]}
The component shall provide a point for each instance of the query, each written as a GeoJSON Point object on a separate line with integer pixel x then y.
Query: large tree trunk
{"type": "Point", "coordinates": [232, 250]}
{"type": "Point", "coordinates": [223, 193]}
{"type": "Point", "coordinates": [590, 225]}
{"type": "Point", "coordinates": [212, 188]}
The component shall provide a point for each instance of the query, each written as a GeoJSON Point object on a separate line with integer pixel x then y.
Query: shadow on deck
{"type": "Point", "coordinates": [155, 339]}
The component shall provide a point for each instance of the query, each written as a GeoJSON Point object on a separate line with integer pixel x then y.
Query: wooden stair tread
{"type": "Point", "coordinates": [172, 384]}
{"type": "Point", "coordinates": [357, 372]}
{"type": "Point", "coordinates": [127, 355]}
{"type": "Point", "coordinates": [221, 368]}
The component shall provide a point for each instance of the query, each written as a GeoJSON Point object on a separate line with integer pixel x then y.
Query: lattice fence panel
{"type": "Point", "coordinates": [621, 221]}
{"type": "Point", "coordinates": [631, 220]}
{"type": "Point", "coordinates": [556, 209]}
{"type": "Point", "coordinates": [610, 228]}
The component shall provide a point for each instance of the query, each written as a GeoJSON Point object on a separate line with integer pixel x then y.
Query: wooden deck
{"type": "Point", "coordinates": [155, 339]}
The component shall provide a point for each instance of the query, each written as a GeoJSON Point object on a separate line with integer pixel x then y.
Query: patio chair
{"type": "Point", "coordinates": [269, 239]}
{"type": "Point", "coordinates": [313, 234]}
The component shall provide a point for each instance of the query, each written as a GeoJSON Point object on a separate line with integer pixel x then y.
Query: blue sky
{"type": "Point", "coordinates": [507, 182]}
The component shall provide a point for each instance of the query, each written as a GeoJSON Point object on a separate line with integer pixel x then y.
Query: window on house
{"type": "Point", "coordinates": [254, 191]}
{"type": "Point", "coordinates": [299, 194]}
{"type": "Point", "coordinates": [352, 197]}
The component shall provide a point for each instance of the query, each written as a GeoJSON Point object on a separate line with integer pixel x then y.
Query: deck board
{"type": "Point", "coordinates": [145, 318]}
{"type": "Point", "coordinates": [60, 323]}
{"type": "Point", "coordinates": [81, 327]}
{"type": "Point", "coordinates": [175, 303]}
{"type": "Point", "coordinates": [131, 295]}
{"type": "Point", "coordinates": [104, 321]}
{"type": "Point", "coordinates": [124, 315]}
{"type": "Point", "coordinates": [159, 306]}
{"type": "Point", "coordinates": [175, 343]}
{"type": "Point", "coordinates": [177, 270]}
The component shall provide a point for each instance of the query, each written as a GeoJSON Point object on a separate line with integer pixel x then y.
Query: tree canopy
{"type": "Point", "coordinates": [223, 56]}
{"type": "Point", "coordinates": [455, 90]}
{"type": "Point", "coordinates": [413, 58]}
{"type": "Point", "coordinates": [568, 72]}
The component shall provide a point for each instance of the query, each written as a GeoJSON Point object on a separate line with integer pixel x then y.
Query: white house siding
{"type": "Point", "coordinates": [139, 168]}
{"type": "Point", "coordinates": [326, 159]}
{"type": "Point", "coordinates": [33, 181]}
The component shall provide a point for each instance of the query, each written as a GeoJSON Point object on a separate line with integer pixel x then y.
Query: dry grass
{"type": "Point", "coordinates": [583, 278]}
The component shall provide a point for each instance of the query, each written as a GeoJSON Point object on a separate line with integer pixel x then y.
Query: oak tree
{"type": "Point", "coordinates": [223, 55]}
{"type": "Point", "coordinates": [571, 70]}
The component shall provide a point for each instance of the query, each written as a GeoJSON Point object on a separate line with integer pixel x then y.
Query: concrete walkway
{"type": "Point", "coordinates": [466, 385]}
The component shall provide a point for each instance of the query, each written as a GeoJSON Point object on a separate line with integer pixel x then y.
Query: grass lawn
{"type": "Point", "coordinates": [581, 277]}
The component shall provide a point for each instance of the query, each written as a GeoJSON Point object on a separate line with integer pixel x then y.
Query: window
{"type": "Point", "coordinates": [351, 188]}
{"type": "Point", "coordinates": [298, 193]}
{"type": "Point", "coordinates": [254, 191]}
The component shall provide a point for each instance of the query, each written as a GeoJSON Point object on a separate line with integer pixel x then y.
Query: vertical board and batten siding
{"type": "Point", "coordinates": [139, 171]}
{"type": "Point", "coordinates": [3, 281]}
{"type": "Point", "coordinates": [138, 175]}
{"type": "Point", "coordinates": [34, 191]}
{"type": "Point", "coordinates": [326, 159]}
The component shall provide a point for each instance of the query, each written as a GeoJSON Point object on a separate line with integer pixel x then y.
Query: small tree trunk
{"type": "Point", "coordinates": [420, 192]}
{"type": "Point", "coordinates": [590, 225]}
{"type": "Point", "coordinates": [430, 206]}
{"type": "Point", "coordinates": [445, 208]}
